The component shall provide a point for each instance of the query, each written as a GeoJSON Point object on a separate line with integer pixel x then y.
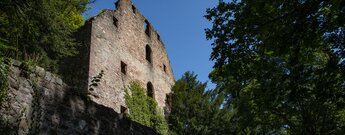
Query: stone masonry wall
{"type": "Point", "coordinates": [120, 36]}
{"type": "Point", "coordinates": [38, 102]}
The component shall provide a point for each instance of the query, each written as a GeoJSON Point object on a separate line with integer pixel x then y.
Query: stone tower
{"type": "Point", "coordinates": [127, 48]}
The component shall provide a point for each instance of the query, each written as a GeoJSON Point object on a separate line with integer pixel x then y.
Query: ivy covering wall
{"type": "Point", "coordinates": [144, 109]}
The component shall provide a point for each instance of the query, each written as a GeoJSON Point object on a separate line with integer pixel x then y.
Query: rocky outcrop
{"type": "Point", "coordinates": [39, 102]}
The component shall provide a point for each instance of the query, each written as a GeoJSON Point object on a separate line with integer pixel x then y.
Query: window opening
{"type": "Point", "coordinates": [115, 22]}
{"type": "Point", "coordinates": [148, 53]}
{"type": "Point", "coordinates": [158, 37]}
{"type": "Point", "coordinates": [124, 109]}
{"type": "Point", "coordinates": [150, 91]}
{"type": "Point", "coordinates": [147, 28]}
{"type": "Point", "coordinates": [134, 9]}
{"type": "Point", "coordinates": [123, 67]}
{"type": "Point", "coordinates": [116, 5]}
{"type": "Point", "coordinates": [164, 68]}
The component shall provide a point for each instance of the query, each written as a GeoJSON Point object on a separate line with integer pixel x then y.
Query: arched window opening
{"type": "Point", "coordinates": [148, 53]}
{"type": "Point", "coordinates": [150, 90]}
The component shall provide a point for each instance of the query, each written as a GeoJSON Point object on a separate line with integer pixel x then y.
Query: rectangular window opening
{"type": "Point", "coordinates": [147, 28]}
{"type": "Point", "coordinates": [148, 53]}
{"type": "Point", "coordinates": [134, 9]}
{"type": "Point", "coordinates": [115, 22]}
{"type": "Point", "coordinates": [123, 67]}
{"type": "Point", "coordinates": [158, 37]}
{"type": "Point", "coordinates": [164, 68]}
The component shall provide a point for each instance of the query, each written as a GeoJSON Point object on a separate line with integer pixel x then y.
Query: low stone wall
{"type": "Point", "coordinates": [38, 102]}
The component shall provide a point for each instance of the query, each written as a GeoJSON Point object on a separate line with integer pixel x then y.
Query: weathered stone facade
{"type": "Point", "coordinates": [124, 45]}
{"type": "Point", "coordinates": [116, 42]}
{"type": "Point", "coordinates": [39, 103]}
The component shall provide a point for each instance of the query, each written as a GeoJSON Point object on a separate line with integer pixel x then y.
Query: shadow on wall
{"type": "Point", "coordinates": [75, 69]}
{"type": "Point", "coordinates": [42, 104]}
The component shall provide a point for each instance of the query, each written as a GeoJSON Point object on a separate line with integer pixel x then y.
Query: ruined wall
{"type": "Point", "coordinates": [38, 102]}
{"type": "Point", "coordinates": [75, 69]}
{"type": "Point", "coordinates": [120, 35]}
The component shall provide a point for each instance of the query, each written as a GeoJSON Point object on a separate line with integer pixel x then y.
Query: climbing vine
{"type": "Point", "coordinates": [36, 110]}
{"type": "Point", "coordinates": [144, 109]}
{"type": "Point", "coordinates": [6, 127]}
{"type": "Point", "coordinates": [96, 80]}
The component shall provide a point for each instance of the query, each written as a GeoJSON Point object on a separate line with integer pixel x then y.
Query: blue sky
{"type": "Point", "coordinates": [181, 26]}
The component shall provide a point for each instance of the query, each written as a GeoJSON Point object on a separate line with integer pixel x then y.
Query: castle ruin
{"type": "Point", "coordinates": [124, 45]}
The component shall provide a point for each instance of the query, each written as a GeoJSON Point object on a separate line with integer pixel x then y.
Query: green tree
{"type": "Point", "coordinates": [194, 110]}
{"type": "Point", "coordinates": [144, 109]}
{"type": "Point", "coordinates": [40, 30]}
{"type": "Point", "coordinates": [280, 64]}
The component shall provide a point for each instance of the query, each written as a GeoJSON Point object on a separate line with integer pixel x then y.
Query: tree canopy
{"type": "Point", "coordinates": [195, 110]}
{"type": "Point", "coordinates": [40, 31]}
{"type": "Point", "coordinates": [279, 65]}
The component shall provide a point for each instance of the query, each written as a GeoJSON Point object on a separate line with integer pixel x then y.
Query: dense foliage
{"type": "Point", "coordinates": [280, 64]}
{"type": "Point", "coordinates": [194, 110]}
{"type": "Point", "coordinates": [40, 30]}
{"type": "Point", "coordinates": [144, 109]}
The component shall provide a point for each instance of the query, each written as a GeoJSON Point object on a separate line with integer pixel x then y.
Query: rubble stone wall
{"type": "Point", "coordinates": [39, 102]}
